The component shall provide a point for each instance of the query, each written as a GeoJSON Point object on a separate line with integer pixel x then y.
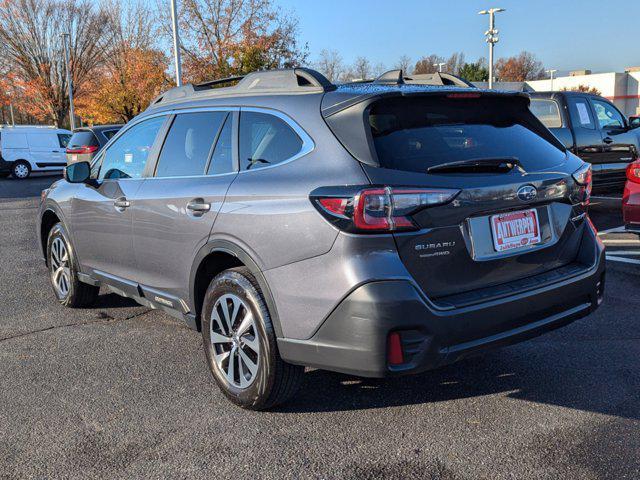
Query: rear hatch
{"type": "Point", "coordinates": [516, 214]}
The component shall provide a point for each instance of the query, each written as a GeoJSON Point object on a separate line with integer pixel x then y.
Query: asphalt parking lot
{"type": "Point", "coordinates": [121, 391]}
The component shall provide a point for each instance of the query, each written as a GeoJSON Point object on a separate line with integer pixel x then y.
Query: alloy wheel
{"type": "Point", "coordinates": [235, 341]}
{"type": "Point", "coordinates": [60, 271]}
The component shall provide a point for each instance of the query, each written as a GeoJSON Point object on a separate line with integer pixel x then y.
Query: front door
{"type": "Point", "coordinates": [618, 141]}
{"type": "Point", "coordinates": [101, 211]}
{"type": "Point", "coordinates": [175, 208]}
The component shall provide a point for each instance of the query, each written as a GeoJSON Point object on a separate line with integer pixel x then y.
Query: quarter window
{"type": "Point", "coordinates": [127, 157]}
{"type": "Point", "coordinates": [265, 140]}
{"type": "Point", "coordinates": [607, 115]}
{"type": "Point", "coordinates": [547, 112]}
{"type": "Point", "coordinates": [188, 144]}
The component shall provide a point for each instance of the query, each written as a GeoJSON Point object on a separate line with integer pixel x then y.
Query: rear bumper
{"type": "Point", "coordinates": [631, 206]}
{"type": "Point", "coordinates": [5, 166]}
{"type": "Point", "coordinates": [609, 177]}
{"type": "Point", "coordinates": [353, 338]}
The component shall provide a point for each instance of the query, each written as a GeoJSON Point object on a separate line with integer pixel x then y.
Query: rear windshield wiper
{"type": "Point", "coordinates": [477, 165]}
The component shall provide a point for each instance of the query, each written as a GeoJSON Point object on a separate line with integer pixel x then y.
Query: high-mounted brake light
{"type": "Point", "coordinates": [633, 172]}
{"type": "Point", "coordinates": [584, 178]}
{"type": "Point", "coordinates": [83, 149]}
{"type": "Point", "coordinates": [380, 209]}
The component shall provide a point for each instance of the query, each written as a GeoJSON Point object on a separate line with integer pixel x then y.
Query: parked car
{"type": "Point", "coordinates": [376, 229]}
{"type": "Point", "coordinates": [594, 129]}
{"type": "Point", "coordinates": [631, 198]}
{"type": "Point", "coordinates": [86, 142]}
{"type": "Point", "coordinates": [26, 149]}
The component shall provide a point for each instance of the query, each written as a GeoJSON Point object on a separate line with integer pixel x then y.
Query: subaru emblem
{"type": "Point", "coordinates": [527, 193]}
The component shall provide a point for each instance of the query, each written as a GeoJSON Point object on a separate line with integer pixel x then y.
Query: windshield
{"type": "Point", "coordinates": [413, 134]}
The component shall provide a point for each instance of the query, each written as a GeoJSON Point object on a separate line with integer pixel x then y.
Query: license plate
{"type": "Point", "coordinates": [74, 158]}
{"type": "Point", "coordinates": [515, 230]}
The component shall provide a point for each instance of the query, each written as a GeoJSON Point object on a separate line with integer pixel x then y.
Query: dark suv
{"type": "Point", "coordinates": [377, 229]}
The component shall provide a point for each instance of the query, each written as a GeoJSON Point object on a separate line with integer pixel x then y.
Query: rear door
{"type": "Point", "coordinates": [175, 209]}
{"type": "Point", "coordinates": [469, 243]}
{"type": "Point", "coordinates": [585, 129]}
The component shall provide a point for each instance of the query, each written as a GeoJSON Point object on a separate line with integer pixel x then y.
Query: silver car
{"type": "Point", "coordinates": [378, 229]}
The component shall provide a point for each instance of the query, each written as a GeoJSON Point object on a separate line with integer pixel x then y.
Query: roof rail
{"type": "Point", "coordinates": [292, 80]}
{"type": "Point", "coordinates": [397, 77]}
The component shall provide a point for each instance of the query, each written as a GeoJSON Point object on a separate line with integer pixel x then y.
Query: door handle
{"type": "Point", "coordinates": [607, 140]}
{"type": "Point", "coordinates": [198, 206]}
{"type": "Point", "coordinates": [121, 203]}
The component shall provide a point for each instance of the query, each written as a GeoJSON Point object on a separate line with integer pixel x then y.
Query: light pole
{"type": "Point", "coordinates": [491, 37]}
{"type": "Point", "coordinates": [66, 38]}
{"type": "Point", "coordinates": [551, 72]}
{"type": "Point", "coordinates": [176, 43]}
{"type": "Point", "coordinates": [439, 66]}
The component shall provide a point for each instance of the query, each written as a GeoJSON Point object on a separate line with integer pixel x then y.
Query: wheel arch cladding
{"type": "Point", "coordinates": [214, 258]}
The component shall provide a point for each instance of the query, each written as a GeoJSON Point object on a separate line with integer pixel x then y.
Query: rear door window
{"type": "Point", "coordinates": [266, 140]}
{"type": "Point", "coordinates": [414, 134]}
{"type": "Point", "coordinates": [222, 159]}
{"type": "Point", "coordinates": [580, 112]}
{"type": "Point", "coordinates": [188, 144]}
{"type": "Point", "coordinates": [63, 139]}
{"type": "Point", "coordinates": [547, 112]}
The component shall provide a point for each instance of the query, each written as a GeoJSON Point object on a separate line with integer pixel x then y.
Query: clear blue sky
{"type": "Point", "coordinates": [601, 35]}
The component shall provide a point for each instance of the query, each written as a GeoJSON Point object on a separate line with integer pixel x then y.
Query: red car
{"type": "Point", "coordinates": [631, 197]}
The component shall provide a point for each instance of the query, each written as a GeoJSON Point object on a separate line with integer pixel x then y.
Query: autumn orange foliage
{"type": "Point", "coordinates": [124, 87]}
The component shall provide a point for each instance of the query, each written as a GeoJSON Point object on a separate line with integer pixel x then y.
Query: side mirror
{"type": "Point", "coordinates": [634, 122]}
{"type": "Point", "coordinates": [77, 172]}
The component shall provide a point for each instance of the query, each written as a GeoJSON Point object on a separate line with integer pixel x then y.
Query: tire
{"type": "Point", "coordinates": [21, 170]}
{"type": "Point", "coordinates": [272, 380]}
{"type": "Point", "coordinates": [63, 272]}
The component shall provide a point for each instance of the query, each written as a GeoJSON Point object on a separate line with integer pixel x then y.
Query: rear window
{"type": "Point", "coordinates": [83, 139]}
{"type": "Point", "coordinates": [413, 134]}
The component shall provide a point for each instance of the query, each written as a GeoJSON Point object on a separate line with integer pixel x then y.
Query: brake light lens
{"type": "Point", "coordinates": [584, 178]}
{"type": "Point", "coordinates": [633, 172]}
{"type": "Point", "coordinates": [83, 149]}
{"type": "Point", "coordinates": [381, 209]}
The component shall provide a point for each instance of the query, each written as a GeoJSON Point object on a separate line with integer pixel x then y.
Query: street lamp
{"type": "Point", "coordinates": [176, 43]}
{"type": "Point", "coordinates": [551, 72]}
{"type": "Point", "coordinates": [491, 37]}
{"type": "Point", "coordinates": [66, 38]}
{"type": "Point", "coordinates": [439, 66]}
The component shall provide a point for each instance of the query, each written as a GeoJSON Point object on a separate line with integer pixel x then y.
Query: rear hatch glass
{"type": "Point", "coordinates": [83, 139]}
{"type": "Point", "coordinates": [416, 133]}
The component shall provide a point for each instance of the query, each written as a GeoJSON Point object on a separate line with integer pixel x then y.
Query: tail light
{"type": "Point", "coordinates": [83, 149]}
{"type": "Point", "coordinates": [378, 209]}
{"type": "Point", "coordinates": [633, 172]}
{"type": "Point", "coordinates": [584, 179]}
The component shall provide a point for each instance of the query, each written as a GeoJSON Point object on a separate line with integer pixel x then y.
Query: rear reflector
{"type": "Point", "coordinates": [394, 349]}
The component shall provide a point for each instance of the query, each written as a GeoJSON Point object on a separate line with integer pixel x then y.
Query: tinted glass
{"type": "Point", "coordinates": [607, 115]}
{"type": "Point", "coordinates": [222, 160]}
{"type": "Point", "coordinates": [188, 144]}
{"type": "Point", "coordinates": [413, 134]}
{"type": "Point", "coordinates": [547, 112]}
{"type": "Point", "coordinates": [127, 157]}
{"type": "Point", "coordinates": [83, 138]}
{"type": "Point", "coordinates": [63, 139]}
{"type": "Point", "coordinates": [580, 113]}
{"type": "Point", "coordinates": [265, 140]}
{"type": "Point", "coordinates": [109, 133]}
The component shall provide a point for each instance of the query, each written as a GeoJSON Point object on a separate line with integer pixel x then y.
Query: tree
{"type": "Point", "coordinates": [427, 64]}
{"type": "Point", "coordinates": [404, 64]}
{"type": "Point", "coordinates": [32, 45]}
{"type": "Point", "coordinates": [330, 64]}
{"type": "Point", "coordinates": [583, 89]}
{"type": "Point", "coordinates": [520, 68]}
{"type": "Point", "coordinates": [474, 72]}
{"type": "Point", "coordinates": [221, 38]}
{"type": "Point", "coordinates": [133, 73]}
{"type": "Point", "coordinates": [454, 63]}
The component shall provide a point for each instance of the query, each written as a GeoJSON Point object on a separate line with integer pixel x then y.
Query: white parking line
{"type": "Point", "coordinates": [624, 252]}
{"type": "Point", "coordinates": [612, 230]}
{"type": "Point", "coordinates": [623, 260]}
{"type": "Point", "coordinates": [596, 197]}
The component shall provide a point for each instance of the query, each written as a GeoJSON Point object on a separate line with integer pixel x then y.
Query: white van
{"type": "Point", "coordinates": [26, 149]}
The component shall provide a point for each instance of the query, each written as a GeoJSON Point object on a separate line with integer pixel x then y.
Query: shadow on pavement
{"type": "Point", "coordinates": [12, 189]}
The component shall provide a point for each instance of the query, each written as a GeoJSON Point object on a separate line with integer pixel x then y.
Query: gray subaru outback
{"type": "Point", "coordinates": [378, 228]}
